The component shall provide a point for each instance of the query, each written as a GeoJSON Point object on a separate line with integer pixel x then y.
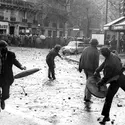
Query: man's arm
{"type": "Point", "coordinates": [59, 56]}
{"type": "Point", "coordinates": [17, 63]}
{"type": "Point", "coordinates": [80, 64]}
{"type": "Point", "coordinates": [100, 68]}
{"type": "Point", "coordinates": [108, 74]}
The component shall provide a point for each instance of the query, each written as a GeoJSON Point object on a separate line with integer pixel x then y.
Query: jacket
{"type": "Point", "coordinates": [89, 59]}
{"type": "Point", "coordinates": [51, 56]}
{"type": "Point", "coordinates": [7, 72]}
{"type": "Point", "coordinates": [111, 67]}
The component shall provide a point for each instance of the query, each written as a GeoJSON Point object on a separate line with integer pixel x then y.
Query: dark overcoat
{"type": "Point", "coordinates": [7, 73]}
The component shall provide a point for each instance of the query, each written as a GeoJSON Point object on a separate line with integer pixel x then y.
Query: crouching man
{"type": "Point", "coordinates": [111, 67]}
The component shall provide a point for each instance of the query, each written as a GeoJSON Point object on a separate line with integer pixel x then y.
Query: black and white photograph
{"type": "Point", "coordinates": [62, 62]}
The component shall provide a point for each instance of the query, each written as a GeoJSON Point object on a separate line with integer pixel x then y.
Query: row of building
{"type": "Point", "coordinates": [19, 17]}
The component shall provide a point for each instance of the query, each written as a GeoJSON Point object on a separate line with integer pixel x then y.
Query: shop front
{"type": "Point", "coordinates": [4, 28]}
{"type": "Point", "coordinates": [117, 28]}
{"type": "Point", "coordinates": [108, 26]}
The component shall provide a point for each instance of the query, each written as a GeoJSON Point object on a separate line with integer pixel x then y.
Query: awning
{"type": "Point", "coordinates": [109, 25]}
{"type": "Point", "coordinates": [119, 26]}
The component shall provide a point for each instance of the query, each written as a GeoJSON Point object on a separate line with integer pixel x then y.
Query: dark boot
{"type": "Point", "coordinates": [49, 72]}
{"type": "Point", "coordinates": [2, 104]}
{"type": "Point", "coordinates": [54, 78]}
{"type": "Point", "coordinates": [105, 119]}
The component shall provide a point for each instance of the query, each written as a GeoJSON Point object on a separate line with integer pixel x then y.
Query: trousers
{"type": "Point", "coordinates": [5, 88]}
{"type": "Point", "coordinates": [112, 90]}
{"type": "Point", "coordinates": [51, 69]}
{"type": "Point", "coordinates": [88, 95]}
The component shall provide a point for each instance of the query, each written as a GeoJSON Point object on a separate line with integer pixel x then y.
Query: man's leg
{"type": "Point", "coordinates": [49, 70]}
{"type": "Point", "coordinates": [87, 96]}
{"type": "Point", "coordinates": [5, 95]}
{"type": "Point", "coordinates": [121, 82]}
{"type": "Point", "coordinates": [49, 73]}
{"type": "Point", "coordinates": [87, 93]}
{"type": "Point", "coordinates": [53, 73]}
{"type": "Point", "coordinates": [113, 88]}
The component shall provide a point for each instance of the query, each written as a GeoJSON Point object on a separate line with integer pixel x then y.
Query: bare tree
{"type": "Point", "coordinates": [85, 14]}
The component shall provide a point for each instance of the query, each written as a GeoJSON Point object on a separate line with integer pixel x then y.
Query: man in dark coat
{"type": "Point", "coordinates": [50, 61]}
{"type": "Point", "coordinates": [7, 60]}
{"type": "Point", "coordinates": [111, 67]}
{"type": "Point", "coordinates": [89, 61]}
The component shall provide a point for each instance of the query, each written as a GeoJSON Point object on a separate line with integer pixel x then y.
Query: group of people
{"type": "Point", "coordinates": [34, 40]}
{"type": "Point", "coordinates": [111, 67]}
{"type": "Point", "coordinates": [8, 59]}
{"type": "Point", "coordinates": [112, 42]}
{"type": "Point", "coordinates": [89, 62]}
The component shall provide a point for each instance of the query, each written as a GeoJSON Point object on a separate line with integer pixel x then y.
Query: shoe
{"type": "Point", "coordinates": [87, 100]}
{"type": "Point", "coordinates": [2, 105]}
{"type": "Point", "coordinates": [105, 119]}
{"type": "Point", "coordinates": [54, 78]}
{"type": "Point", "coordinates": [49, 77]}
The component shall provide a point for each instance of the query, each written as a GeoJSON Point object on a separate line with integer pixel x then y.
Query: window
{"type": "Point", "coordinates": [13, 14]}
{"type": "Point", "coordinates": [1, 12]}
{"type": "Point", "coordinates": [61, 25]}
{"type": "Point", "coordinates": [43, 31]}
{"type": "Point", "coordinates": [6, 18]}
{"type": "Point", "coordinates": [46, 22]}
{"type": "Point", "coordinates": [54, 33]}
{"type": "Point", "coordinates": [61, 33]}
{"type": "Point", "coordinates": [72, 43]}
{"type": "Point", "coordinates": [80, 44]}
{"type": "Point", "coordinates": [49, 33]}
{"type": "Point", "coordinates": [54, 25]}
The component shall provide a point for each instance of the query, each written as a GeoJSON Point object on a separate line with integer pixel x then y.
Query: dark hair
{"type": "Point", "coordinates": [3, 43]}
{"type": "Point", "coordinates": [57, 47]}
{"type": "Point", "coordinates": [94, 42]}
{"type": "Point", "coordinates": [105, 51]}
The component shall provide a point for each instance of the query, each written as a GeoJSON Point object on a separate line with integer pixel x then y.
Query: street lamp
{"type": "Point", "coordinates": [39, 29]}
{"type": "Point", "coordinates": [106, 19]}
{"type": "Point", "coordinates": [76, 29]}
{"type": "Point", "coordinates": [106, 15]}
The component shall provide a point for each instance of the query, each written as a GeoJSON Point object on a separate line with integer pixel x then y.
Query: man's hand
{"type": "Point", "coordinates": [80, 70]}
{"type": "Point", "coordinates": [96, 74]}
{"type": "Point", "coordinates": [23, 68]}
{"type": "Point", "coordinates": [100, 83]}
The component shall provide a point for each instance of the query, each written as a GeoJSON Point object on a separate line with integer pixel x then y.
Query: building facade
{"type": "Point", "coordinates": [19, 17]}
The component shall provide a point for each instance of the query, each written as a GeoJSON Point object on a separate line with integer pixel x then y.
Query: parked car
{"type": "Point", "coordinates": [80, 39]}
{"type": "Point", "coordinates": [74, 47]}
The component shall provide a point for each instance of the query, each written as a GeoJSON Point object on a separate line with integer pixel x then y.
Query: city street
{"type": "Point", "coordinates": [34, 100]}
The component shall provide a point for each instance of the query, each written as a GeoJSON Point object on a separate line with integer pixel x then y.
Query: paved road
{"type": "Point", "coordinates": [58, 102]}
